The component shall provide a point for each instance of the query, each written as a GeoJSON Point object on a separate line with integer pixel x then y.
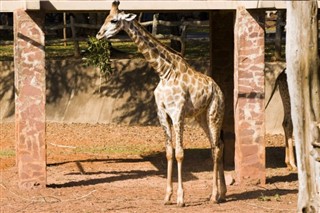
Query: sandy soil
{"type": "Point", "coordinates": [110, 168]}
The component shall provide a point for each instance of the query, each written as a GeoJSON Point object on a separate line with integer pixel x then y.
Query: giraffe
{"type": "Point", "coordinates": [182, 92]}
{"type": "Point", "coordinates": [287, 125]}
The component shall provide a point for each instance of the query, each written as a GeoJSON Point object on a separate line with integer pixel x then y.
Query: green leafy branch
{"type": "Point", "coordinates": [98, 55]}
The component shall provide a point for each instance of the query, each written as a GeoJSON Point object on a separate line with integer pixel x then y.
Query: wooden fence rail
{"type": "Point", "coordinates": [183, 25]}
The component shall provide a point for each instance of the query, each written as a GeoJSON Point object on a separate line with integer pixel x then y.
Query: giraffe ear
{"type": "Point", "coordinates": [128, 17]}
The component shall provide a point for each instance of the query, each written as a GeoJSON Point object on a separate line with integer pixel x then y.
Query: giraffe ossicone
{"type": "Point", "coordinates": [182, 92]}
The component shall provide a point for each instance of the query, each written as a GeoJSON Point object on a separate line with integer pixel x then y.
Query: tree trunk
{"type": "Point", "coordinates": [278, 38]}
{"type": "Point", "coordinates": [304, 88]}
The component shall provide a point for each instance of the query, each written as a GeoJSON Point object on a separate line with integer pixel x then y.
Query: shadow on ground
{"type": "Point", "coordinates": [196, 160]}
{"type": "Point", "coordinates": [260, 193]}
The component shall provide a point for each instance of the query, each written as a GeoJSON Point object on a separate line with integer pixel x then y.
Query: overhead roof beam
{"type": "Point", "coordinates": [137, 5]}
{"type": "Point", "coordinates": [148, 5]}
{"type": "Point", "coordinates": [10, 6]}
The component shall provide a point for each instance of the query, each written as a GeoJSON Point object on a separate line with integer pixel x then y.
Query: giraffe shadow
{"type": "Point", "coordinates": [95, 177]}
{"type": "Point", "coordinates": [196, 160]}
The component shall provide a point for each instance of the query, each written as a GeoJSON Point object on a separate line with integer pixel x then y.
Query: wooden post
{"type": "Point", "coordinates": [183, 39]}
{"type": "Point", "coordinates": [155, 24]}
{"type": "Point", "coordinates": [304, 89]}
{"type": "Point", "coordinates": [74, 37]}
{"type": "Point", "coordinates": [65, 29]}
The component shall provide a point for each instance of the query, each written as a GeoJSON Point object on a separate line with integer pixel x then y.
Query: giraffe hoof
{"type": "Point", "coordinates": [214, 199]}
{"type": "Point", "coordinates": [167, 202]}
{"type": "Point", "coordinates": [291, 168]}
{"type": "Point", "coordinates": [217, 200]}
{"type": "Point", "coordinates": [180, 205]}
{"type": "Point", "coordinates": [222, 200]}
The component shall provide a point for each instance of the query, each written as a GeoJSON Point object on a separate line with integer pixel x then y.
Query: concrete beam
{"type": "Point", "coordinates": [148, 5]}
{"type": "Point", "coordinates": [10, 6]}
{"type": "Point", "coordinates": [138, 5]}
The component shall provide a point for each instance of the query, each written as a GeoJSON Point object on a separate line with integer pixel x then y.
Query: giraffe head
{"type": "Point", "coordinates": [114, 22]}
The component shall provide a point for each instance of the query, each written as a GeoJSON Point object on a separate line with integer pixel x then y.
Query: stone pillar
{"type": "Point", "coordinates": [29, 67]}
{"type": "Point", "coordinates": [249, 96]}
{"type": "Point", "coordinates": [222, 67]}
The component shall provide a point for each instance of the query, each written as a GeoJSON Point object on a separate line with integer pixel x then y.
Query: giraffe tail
{"type": "Point", "coordinates": [275, 87]}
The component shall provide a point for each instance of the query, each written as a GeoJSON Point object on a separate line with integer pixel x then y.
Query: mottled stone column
{"type": "Point", "coordinates": [249, 96]}
{"type": "Point", "coordinates": [222, 66]}
{"type": "Point", "coordinates": [29, 67]}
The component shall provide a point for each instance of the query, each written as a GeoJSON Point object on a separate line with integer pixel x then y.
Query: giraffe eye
{"type": "Point", "coordinates": [114, 21]}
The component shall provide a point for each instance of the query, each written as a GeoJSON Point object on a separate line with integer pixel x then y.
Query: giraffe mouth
{"type": "Point", "coordinates": [99, 37]}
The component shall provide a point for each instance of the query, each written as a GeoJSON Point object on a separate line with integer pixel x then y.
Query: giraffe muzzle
{"type": "Point", "coordinates": [100, 35]}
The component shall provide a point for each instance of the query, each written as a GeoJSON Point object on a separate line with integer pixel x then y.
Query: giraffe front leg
{"type": "Point", "coordinates": [179, 157]}
{"type": "Point", "coordinates": [163, 118]}
{"type": "Point", "coordinates": [169, 189]}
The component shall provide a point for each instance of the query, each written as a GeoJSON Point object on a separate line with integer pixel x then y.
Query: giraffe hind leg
{"type": "Point", "coordinates": [219, 185]}
{"type": "Point", "coordinates": [223, 187]}
{"type": "Point", "coordinates": [288, 132]}
{"type": "Point", "coordinates": [211, 125]}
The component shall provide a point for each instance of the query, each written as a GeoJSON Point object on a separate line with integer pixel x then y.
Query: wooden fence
{"type": "Point", "coordinates": [273, 22]}
{"type": "Point", "coordinates": [155, 23]}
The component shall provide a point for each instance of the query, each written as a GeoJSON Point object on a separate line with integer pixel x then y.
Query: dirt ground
{"type": "Point", "coordinates": [111, 168]}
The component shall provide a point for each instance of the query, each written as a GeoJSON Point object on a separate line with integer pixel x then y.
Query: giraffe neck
{"type": "Point", "coordinates": [163, 59]}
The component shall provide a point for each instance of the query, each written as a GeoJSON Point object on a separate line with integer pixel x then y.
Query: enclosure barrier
{"type": "Point", "coordinates": [248, 94]}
